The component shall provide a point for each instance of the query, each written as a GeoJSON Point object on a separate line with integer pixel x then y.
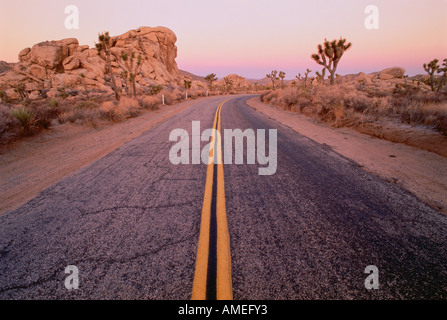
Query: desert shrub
{"type": "Point", "coordinates": [86, 105]}
{"type": "Point", "coordinates": [81, 116]}
{"type": "Point", "coordinates": [128, 107]}
{"type": "Point", "coordinates": [44, 116]}
{"type": "Point", "coordinates": [270, 97]}
{"type": "Point", "coordinates": [170, 96]}
{"type": "Point", "coordinates": [294, 99]}
{"type": "Point", "coordinates": [125, 108]}
{"type": "Point", "coordinates": [263, 95]}
{"type": "Point", "coordinates": [178, 94]}
{"type": "Point", "coordinates": [357, 101]}
{"type": "Point", "coordinates": [154, 90]}
{"type": "Point", "coordinates": [53, 103]}
{"type": "Point", "coordinates": [107, 110]}
{"type": "Point", "coordinates": [8, 123]}
{"type": "Point", "coordinates": [288, 97]}
{"type": "Point", "coordinates": [26, 118]}
{"type": "Point", "coordinates": [431, 114]}
{"type": "Point", "coordinates": [150, 103]}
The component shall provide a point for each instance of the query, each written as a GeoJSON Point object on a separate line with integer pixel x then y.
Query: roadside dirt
{"type": "Point", "coordinates": [421, 172]}
{"type": "Point", "coordinates": [35, 163]}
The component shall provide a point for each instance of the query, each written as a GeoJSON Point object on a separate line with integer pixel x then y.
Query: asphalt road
{"type": "Point", "coordinates": [130, 223]}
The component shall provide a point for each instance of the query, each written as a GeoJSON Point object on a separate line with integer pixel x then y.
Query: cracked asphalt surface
{"type": "Point", "coordinates": [130, 222]}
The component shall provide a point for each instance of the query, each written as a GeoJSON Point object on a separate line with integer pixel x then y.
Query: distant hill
{"type": "Point", "coordinates": [192, 76]}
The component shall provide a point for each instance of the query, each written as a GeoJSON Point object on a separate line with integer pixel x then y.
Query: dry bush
{"type": "Point", "coordinates": [86, 105]}
{"type": "Point", "coordinates": [294, 99]}
{"type": "Point", "coordinates": [348, 106]}
{"type": "Point", "coordinates": [124, 109]}
{"type": "Point", "coordinates": [356, 101]}
{"type": "Point", "coordinates": [178, 94]}
{"type": "Point", "coordinates": [269, 97]}
{"type": "Point", "coordinates": [128, 108]}
{"type": "Point", "coordinates": [8, 123]}
{"type": "Point", "coordinates": [170, 96]}
{"type": "Point", "coordinates": [81, 116]}
{"type": "Point", "coordinates": [150, 102]}
{"type": "Point", "coordinates": [196, 93]}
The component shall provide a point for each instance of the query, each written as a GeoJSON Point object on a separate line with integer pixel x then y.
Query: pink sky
{"type": "Point", "coordinates": [247, 37]}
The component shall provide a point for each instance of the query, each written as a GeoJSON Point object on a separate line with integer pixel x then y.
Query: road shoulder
{"type": "Point", "coordinates": [421, 172]}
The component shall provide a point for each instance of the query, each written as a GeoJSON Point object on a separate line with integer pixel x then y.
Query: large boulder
{"type": "Point", "coordinates": [237, 81]}
{"type": "Point", "coordinates": [47, 54]}
{"type": "Point", "coordinates": [392, 73]}
{"type": "Point", "coordinates": [64, 63]}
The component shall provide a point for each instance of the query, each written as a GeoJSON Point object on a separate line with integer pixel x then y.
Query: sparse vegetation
{"type": "Point", "coordinates": [350, 107]}
{"type": "Point", "coordinates": [26, 118]}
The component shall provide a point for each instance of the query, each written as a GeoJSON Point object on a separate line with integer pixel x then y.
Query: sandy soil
{"type": "Point", "coordinates": [421, 172]}
{"type": "Point", "coordinates": [34, 164]}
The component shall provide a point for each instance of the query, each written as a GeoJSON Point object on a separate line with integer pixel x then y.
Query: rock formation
{"type": "Point", "coordinates": [237, 81]}
{"type": "Point", "coordinates": [64, 64]}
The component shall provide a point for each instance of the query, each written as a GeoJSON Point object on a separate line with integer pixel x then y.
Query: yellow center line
{"type": "Point", "coordinates": [224, 287]}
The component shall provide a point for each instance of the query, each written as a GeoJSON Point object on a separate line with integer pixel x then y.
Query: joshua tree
{"type": "Point", "coordinates": [282, 75]}
{"type": "Point", "coordinates": [273, 77]}
{"type": "Point", "coordinates": [187, 84]}
{"type": "Point", "coordinates": [132, 67]}
{"type": "Point", "coordinates": [321, 76]}
{"type": "Point", "coordinates": [431, 68]}
{"type": "Point", "coordinates": [443, 79]}
{"type": "Point", "coordinates": [103, 48]}
{"type": "Point", "coordinates": [210, 79]}
{"type": "Point", "coordinates": [306, 75]}
{"type": "Point", "coordinates": [256, 86]}
{"type": "Point", "coordinates": [329, 55]}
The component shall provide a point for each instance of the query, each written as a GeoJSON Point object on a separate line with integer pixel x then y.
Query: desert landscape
{"type": "Point", "coordinates": [88, 134]}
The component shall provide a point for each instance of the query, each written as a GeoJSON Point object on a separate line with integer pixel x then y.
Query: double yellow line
{"type": "Point", "coordinates": [212, 278]}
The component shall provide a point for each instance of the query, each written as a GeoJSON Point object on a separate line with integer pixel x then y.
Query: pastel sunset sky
{"type": "Point", "coordinates": [247, 37]}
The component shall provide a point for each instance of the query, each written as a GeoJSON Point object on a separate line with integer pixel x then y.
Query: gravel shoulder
{"type": "Point", "coordinates": [421, 172]}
